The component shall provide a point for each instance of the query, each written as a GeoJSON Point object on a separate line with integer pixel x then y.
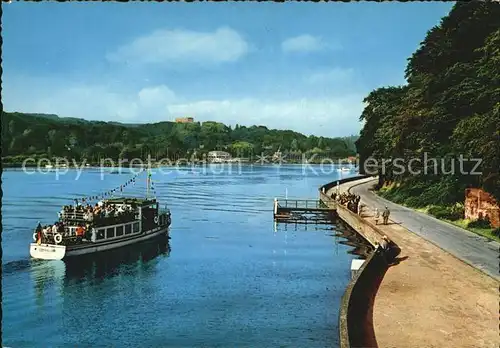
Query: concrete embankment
{"type": "Point", "coordinates": [428, 299]}
{"type": "Point", "coordinates": [356, 311]}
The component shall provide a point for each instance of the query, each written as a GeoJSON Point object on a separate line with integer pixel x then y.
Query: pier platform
{"type": "Point", "coordinates": [308, 211]}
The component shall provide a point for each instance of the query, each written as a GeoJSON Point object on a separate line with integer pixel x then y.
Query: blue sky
{"type": "Point", "coordinates": [300, 66]}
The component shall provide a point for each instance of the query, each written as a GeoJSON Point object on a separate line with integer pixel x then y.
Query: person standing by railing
{"type": "Point", "coordinates": [79, 233]}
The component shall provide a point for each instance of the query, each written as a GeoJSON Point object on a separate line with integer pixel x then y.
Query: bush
{"type": "Point", "coordinates": [422, 192]}
{"type": "Point", "coordinates": [480, 223]}
{"type": "Point", "coordinates": [496, 232]}
{"type": "Point", "coordinates": [453, 213]}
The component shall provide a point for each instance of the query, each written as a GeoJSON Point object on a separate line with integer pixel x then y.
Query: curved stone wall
{"type": "Point", "coordinates": [356, 309]}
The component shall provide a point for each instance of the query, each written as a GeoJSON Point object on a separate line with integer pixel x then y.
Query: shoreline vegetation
{"type": "Point", "coordinates": [49, 136]}
{"type": "Point", "coordinates": [449, 108]}
{"type": "Point", "coordinates": [156, 165]}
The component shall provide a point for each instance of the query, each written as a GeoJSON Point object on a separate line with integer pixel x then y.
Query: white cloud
{"type": "Point", "coordinates": [156, 96]}
{"type": "Point", "coordinates": [327, 116]}
{"type": "Point", "coordinates": [88, 101]}
{"type": "Point", "coordinates": [183, 46]}
{"type": "Point", "coordinates": [305, 43]}
{"type": "Point", "coordinates": [333, 75]}
{"type": "Point", "coordinates": [320, 116]}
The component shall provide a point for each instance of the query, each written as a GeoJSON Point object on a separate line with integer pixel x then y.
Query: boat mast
{"type": "Point", "coordinates": [148, 182]}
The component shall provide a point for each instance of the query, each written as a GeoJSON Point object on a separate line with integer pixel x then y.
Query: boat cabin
{"type": "Point", "coordinates": [112, 218]}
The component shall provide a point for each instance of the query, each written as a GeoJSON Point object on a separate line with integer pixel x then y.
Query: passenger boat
{"type": "Point", "coordinates": [85, 230]}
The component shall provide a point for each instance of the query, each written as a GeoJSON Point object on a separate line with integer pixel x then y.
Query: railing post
{"type": "Point", "coordinates": [275, 206]}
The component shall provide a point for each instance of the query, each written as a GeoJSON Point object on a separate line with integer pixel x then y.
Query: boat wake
{"type": "Point", "coordinates": [16, 266]}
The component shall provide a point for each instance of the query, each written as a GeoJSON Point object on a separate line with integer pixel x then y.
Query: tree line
{"type": "Point", "coordinates": [38, 135]}
{"type": "Point", "coordinates": [449, 107]}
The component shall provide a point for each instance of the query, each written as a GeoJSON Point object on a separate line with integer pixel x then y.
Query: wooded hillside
{"type": "Point", "coordinates": [449, 107]}
{"type": "Point", "coordinates": [49, 135]}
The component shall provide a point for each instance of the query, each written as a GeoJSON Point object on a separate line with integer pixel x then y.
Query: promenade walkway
{"type": "Point", "coordinates": [431, 298]}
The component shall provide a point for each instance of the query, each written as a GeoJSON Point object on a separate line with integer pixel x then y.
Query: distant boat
{"type": "Point", "coordinates": [344, 169]}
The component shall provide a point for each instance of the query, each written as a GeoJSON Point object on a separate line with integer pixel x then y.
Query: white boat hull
{"type": "Point", "coordinates": [59, 252]}
{"type": "Point", "coordinates": [47, 251]}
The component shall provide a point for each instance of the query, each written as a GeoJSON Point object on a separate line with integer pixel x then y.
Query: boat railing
{"type": "Point", "coordinates": [69, 235]}
{"type": "Point", "coordinates": [73, 215]}
{"type": "Point", "coordinates": [97, 220]}
{"type": "Point", "coordinates": [300, 203]}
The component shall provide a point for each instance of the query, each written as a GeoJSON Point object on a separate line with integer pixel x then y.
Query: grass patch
{"type": "Point", "coordinates": [489, 233]}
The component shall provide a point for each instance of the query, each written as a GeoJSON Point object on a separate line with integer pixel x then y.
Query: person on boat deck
{"type": "Point", "coordinates": [38, 231]}
{"type": "Point", "coordinates": [45, 230]}
{"type": "Point", "coordinates": [79, 232]}
{"type": "Point", "coordinates": [87, 216]}
{"type": "Point", "coordinates": [54, 228]}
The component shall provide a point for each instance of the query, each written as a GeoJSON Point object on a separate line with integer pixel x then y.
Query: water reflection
{"type": "Point", "coordinates": [342, 233]}
{"type": "Point", "coordinates": [361, 247]}
{"type": "Point", "coordinates": [135, 257]}
{"type": "Point", "coordinates": [94, 269]}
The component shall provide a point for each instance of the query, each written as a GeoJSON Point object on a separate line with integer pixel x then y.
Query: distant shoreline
{"type": "Point", "coordinates": [95, 166]}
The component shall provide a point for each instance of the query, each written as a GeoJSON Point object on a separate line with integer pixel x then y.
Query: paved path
{"type": "Point", "coordinates": [467, 246]}
{"type": "Point", "coordinates": [431, 298]}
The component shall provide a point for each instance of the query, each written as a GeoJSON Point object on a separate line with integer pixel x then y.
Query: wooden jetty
{"type": "Point", "coordinates": [305, 211]}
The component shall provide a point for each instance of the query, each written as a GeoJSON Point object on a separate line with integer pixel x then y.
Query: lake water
{"type": "Point", "coordinates": [226, 278]}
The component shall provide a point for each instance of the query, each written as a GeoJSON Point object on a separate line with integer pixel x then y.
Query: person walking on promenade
{"type": "Point", "coordinates": [385, 215]}
{"type": "Point", "coordinates": [377, 216]}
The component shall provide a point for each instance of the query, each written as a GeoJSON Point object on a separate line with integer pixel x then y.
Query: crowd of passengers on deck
{"type": "Point", "coordinates": [100, 213]}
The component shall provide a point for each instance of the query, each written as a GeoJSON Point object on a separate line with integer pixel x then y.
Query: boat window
{"type": "Point", "coordinates": [128, 229]}
{"type": "Point", "coordinates": [110, 232]}
{"type": "Point", "coordinates": [136, 227]}
{"type": "Point", "coordinates": [100, 234]}
{"type": "Point", "coordinates": [119, 231]}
